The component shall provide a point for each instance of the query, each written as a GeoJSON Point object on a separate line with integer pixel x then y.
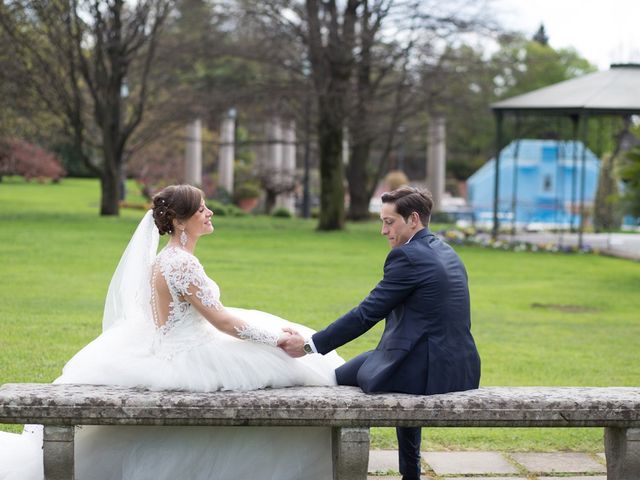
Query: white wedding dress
{"type": "Point", "coordinates": [185, 353]}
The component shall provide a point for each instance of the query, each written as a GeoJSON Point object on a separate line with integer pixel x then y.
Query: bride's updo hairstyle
{"type": "Point", "coordinates": [178, 202]}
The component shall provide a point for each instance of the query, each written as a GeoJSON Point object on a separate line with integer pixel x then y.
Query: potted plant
{"type": "Point", "coordinates": [246, 196]}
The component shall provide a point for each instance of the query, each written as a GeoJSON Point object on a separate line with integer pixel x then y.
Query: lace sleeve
{"type": "Point", "coordinates": [185, 276]}
{"type": "Point", "coordinates": [258, 335]}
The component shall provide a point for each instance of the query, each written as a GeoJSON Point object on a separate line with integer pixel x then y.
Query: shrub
{"type": "Point", "coordinates": [225, 210]}
{"type": "Point", "coordinates": [19, 157]}
{"type": "Point", "coordinates": [395, 179]}
{"type": "Point", "coordinates": [246, 190]}
{"type": "Point", "coordinates": [217, 207]}
{"type": "Point", "coordinates": [281, 212]}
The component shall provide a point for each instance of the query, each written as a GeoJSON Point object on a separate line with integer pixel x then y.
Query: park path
{"type": "Point", "coordinates": [383, 465]}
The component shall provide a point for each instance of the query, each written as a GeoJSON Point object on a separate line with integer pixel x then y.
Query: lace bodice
{"type": "Point", "coordinates": [184, 276]}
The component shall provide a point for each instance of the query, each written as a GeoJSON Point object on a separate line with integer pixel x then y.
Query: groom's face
{"type": "Point", "coordinates": [394, 227]}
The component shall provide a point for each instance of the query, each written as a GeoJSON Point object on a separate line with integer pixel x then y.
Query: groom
{"type": "Point", "coordinates": [426, 347]}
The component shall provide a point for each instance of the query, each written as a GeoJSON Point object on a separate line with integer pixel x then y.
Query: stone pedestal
{"type": "Point", "coordinates": [436, 159]}
{"type": "Point", "coordinates": [58, 453]}
{"type": "Point", "coordinates": [226, 153]}
{"type": "Point", "coordinates": [193, 154]}
{"type": "Point", "coordinates": [622, 448]}
{"type": "Point", "coordinates": [350, 453]}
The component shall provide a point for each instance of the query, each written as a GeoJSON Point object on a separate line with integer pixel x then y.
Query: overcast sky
{"type": "Point", "coordinates": [602, 31]}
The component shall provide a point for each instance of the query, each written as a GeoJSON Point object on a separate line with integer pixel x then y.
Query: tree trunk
{"type": "Point", "coordinates": [331, 170]}
{"type": "Point", "coordinates": [358, 173]}
{"type": "Point", "coordinates": [270, 201]}
{"type": "Point", "coordinates": [110, 192]}
{"type": "Point", "coordinates": [331, 71]}
{"type": "Point", "coordinates": [112, 148]}
{"type": "Point", "coordinates": [359, 182]}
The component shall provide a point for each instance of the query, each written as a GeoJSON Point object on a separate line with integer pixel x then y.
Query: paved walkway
{"type": "Point", "coordinates": [383, 465]}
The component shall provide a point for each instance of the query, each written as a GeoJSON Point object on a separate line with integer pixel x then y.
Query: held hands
{"type": "Point", "coordinates": [292, 342]}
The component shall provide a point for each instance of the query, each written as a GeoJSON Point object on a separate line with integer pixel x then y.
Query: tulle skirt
{"type": "Point", "coordinates": [198, 358]}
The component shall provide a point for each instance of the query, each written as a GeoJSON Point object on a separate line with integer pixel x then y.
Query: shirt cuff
{"type": "Point", "coordinates": [312, 345]}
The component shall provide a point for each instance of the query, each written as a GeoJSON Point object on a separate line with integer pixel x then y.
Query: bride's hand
{"type": "Point", "coordinates": [291, 342]}
{"type": "Point", "coordinates": [283, 337]}
{"type": "Point", "coordinates": [291, 331]}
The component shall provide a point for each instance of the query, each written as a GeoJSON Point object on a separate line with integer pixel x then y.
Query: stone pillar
{"type": "Point", "coordinates": [622, 449]}
{"type": "Point", "coordinates": [288, 164]}
{"type": "Point", "coordinates": [345, 145]}
{"type": "Point", "coordinates": [57, 453]}
{"type": "Point", "coordinates": [193, 154]}
{"type": "Point", "coordinates": [436, 159]}
{"type": "Point", "coordinates": [226, 152]}
{"type": "Point", "coordinates": [350, 448]}
{"type": "Point", "coordinates": [274, 148]}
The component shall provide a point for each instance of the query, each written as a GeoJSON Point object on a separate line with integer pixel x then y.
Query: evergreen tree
{"type": "Point", "coordinates": [541, 36]}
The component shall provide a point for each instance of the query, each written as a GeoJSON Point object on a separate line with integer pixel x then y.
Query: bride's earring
{"type": "Point", "coordinates": [183, 238]}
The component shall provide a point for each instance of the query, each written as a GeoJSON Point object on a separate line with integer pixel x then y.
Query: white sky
{"type": "Point", "coordinates": [602, 31]}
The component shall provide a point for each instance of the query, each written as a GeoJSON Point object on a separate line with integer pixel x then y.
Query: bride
{"type": "Point", "coordinates": [164, 327]}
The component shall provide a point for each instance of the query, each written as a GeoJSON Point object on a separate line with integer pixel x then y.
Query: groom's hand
{"type": "Point", "coordinates": [293, 343]}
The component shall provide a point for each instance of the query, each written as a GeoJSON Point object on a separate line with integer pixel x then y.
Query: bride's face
{"type": "Point", "coordinates": [200, 222]}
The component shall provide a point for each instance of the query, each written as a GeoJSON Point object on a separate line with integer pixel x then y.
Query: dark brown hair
{"type": "Point", "coordinates": [410, 199]}
{"type": "Point", "coordinates": [178, 202]}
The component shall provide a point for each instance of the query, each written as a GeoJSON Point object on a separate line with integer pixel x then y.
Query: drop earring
{"type": "Point", "coordinates": [183, 238]}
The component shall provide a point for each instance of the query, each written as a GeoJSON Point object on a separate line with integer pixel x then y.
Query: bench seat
{"type": "Point", "coordinates": [347, 409]}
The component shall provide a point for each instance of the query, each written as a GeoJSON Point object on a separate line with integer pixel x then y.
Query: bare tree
{"type": "Point", "coordinates": [375, 62]}
{"type": "Point", "coordinates": [323, 68]}
{"type": "Point", "coordinates": [331, 39]}
{"type": "Point", "coordinates": [396, 42]}
{"type": "Point", "coordinates": [90, 62]}
{"type": "Point", "coordinates": [363, 59]}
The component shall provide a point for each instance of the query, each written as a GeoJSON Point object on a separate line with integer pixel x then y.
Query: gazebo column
{"type": "Point", "coordinates": [583, 166]}
{"type": "Point", "coordinates": [575, 121]}
{"type": "Point", "coordinates": [496, 179]}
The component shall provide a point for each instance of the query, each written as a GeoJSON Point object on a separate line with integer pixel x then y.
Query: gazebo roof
{"type": "Point", "coordinates": [615, 92]}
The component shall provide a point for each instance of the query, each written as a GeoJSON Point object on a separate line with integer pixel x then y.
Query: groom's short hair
{"type": "Point", "coordinates": [410, 199]}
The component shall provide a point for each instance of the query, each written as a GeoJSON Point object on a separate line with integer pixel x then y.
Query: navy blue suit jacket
{"type": "Point", "coordinates": [426, 347]}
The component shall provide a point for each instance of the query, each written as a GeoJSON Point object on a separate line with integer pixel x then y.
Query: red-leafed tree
{"type": "Point", "coordinates": [19, 157]}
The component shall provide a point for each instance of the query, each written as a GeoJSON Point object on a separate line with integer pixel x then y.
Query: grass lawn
{"type": "Point", "coordinates": [538, 318]}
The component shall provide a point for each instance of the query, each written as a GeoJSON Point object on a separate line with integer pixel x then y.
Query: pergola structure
{"type": "Point", "coordinates": [615, 92]}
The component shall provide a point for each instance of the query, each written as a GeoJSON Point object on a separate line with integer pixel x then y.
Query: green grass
{"type": "Point", "coordinates": [538, 318]}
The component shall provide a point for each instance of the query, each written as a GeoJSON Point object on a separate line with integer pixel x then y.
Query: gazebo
{"type": "Point", "coordinates": [615, 92]}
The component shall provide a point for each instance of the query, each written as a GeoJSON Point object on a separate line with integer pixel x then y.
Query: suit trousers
{"type": "Point", "coordinates": [408, 437]}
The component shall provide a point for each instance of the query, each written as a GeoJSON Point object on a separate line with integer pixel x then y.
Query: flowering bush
{"type": "Point", "coordinates": [19, 157]}
{"type": "Point", "coordinates": [471, 236]}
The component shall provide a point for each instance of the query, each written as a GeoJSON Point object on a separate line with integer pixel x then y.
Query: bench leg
{"type": "Point", "coordinates": [350, 453]}
{"type": "Point", "coordinates": [58, 453]}
{"type": "Point", "coordinates": [622, 449]}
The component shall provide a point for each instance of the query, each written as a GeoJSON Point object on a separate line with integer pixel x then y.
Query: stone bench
{"type": "Point", "coordinates": [347, 410]}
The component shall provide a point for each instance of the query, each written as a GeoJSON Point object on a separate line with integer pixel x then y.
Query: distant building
{"type": "Point", "coordinates": [540, 183]}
